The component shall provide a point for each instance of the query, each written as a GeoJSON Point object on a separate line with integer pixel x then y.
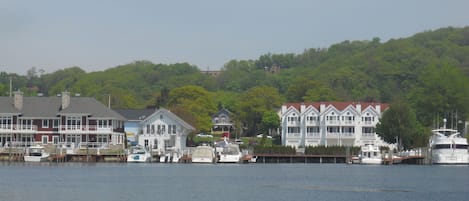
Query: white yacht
{"type": "Point", "coordinates": [36, 154]}
{"type": "Point", "coordinates": [139, 154]}
{"type": "Point", "coordinates": [203, 154]}
{"type": "Point", "coordinates": [370, 154]}
{"type": "Point", "coordinates": [448, 147]}
{"type": "Point", "coordinates": [229, 153]}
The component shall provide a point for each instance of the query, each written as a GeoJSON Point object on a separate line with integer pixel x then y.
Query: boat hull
{"type": "Point", "coordinates": [138, 158]}
{"type": "Point", "coordinates": [229, 158]}
{"type": "Point", "coordinates": [371, 161]}
{"type": "Point", "coordinates": [440, 157]}
{"type": "Point", "coordinates": [202, 160]}
{"type": "Point", "coordinates": [36, 158]}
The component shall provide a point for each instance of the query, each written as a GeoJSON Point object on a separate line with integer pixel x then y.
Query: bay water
{"type": "Point", "coordinates": [230, 182]}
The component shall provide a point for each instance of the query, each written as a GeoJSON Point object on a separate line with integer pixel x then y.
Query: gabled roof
{"type": "Point", "coordinates": [338, 105]}
{"type": "Point", "coordinates": [135, 114]}
{"type": "Point", "coordinates": [171, 116]}
{"type": "Point", "coordinates": [222, 111]}
{"type": "Point", "coordinates": [48, 107]}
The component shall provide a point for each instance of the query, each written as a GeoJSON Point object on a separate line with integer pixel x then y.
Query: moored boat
{"type": "Point", "coordinates": [447, 146]}
{"type": "Point", "coordinates": [139, 154]}
{"type": "Point", "coordinates": [203, 154]}
{"type": "Point", "coordinates": [36, 154]}
{"type": "Point", "coordinates": [370, 155]}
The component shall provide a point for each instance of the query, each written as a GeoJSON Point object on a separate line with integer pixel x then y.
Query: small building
{"type": "Point", "coordinates": [222, 122]}
{"type": "Point", "coordinates": [330, 123]}
{"type": "Point", "coordinates": [160, 129]}
{"type": "Point", "coordinates": [65, 121]}
{"type": "Point", "coordinates": [132, 124]}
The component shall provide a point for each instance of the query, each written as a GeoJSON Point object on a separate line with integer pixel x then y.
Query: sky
{"type": "Point", "coordinates": [99, 34]}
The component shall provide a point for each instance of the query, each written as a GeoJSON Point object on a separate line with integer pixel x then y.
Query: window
{"type": "Point", "coordinates": [5, 122]}
{"type": "Point", "coordinates": [146, 143]}
{"type": "Point", "coordinates": [74, 123]}
{"type": "Point", "coordinates": [148, 129]}
{"type": "Point", "coordinates": [26, 124]}
{"type": "Point", "coordinates": [55, 139]}
{"type": "Point", "coordinates": [103, 123]}
{"type": "Point", "coordinates": [163, 129]}
{"type": "Point", "coordinates": [152, 129]}
{"type": "Point", "coordinates": [55, 123]}
{"type": "Point", "coordinates": [293, 129]}
{"type": "Point", "coordinates": [45, 123]}
{"type": "Point", "coordinates": [45, 139]}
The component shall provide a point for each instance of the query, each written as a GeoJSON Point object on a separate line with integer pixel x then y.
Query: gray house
{"type": "Point", "coordinates": [73, 122]}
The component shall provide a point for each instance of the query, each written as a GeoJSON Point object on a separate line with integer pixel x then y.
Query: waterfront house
{"type": "Point", "coordinates": [330, 123]}
{"type": "Point", "coordinates": [161, 130]}
{"type": "Point", "coordinates": [222, 122]}
{"type": "Point", "coordinates": [132, 124]}
{"type": "Point", "coordinates": [68, 122]}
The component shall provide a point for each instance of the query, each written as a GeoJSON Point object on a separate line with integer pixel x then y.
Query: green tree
{"type": "Point", "coordinates": [254, 103]}
{"type": "Point", "coordinates": [270, 121]}
{"type": "Point", "coordinates": [400, 122]}
{"type": "Point", "coordinates": [197, 101]}
{"type": "Point", "coordinates": [441, 92]}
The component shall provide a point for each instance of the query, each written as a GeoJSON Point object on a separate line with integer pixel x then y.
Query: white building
{"type": "Point", "coordinates": [330, 123]}
{"type": "Point", "coordinates": [164, 132]}
{"type": "Point", "coordinates": [160, 130]}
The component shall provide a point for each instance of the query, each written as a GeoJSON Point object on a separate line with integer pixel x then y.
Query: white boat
{"type": "Point", "coordinates": [203, 154]}
{"type": "Point", "coordinates": [448, 147]}
{"type": "Point", "coordinates": [229, 153]}
{"type": "Point", "coordinates": [36, 154]}
{"type": "Point", "coordinates": [370, 155]}
{"type": "Point", "coordinates": [139, 154]}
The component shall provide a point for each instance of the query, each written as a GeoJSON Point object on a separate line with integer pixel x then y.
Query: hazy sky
{"type": "Point", "coordinates": [100, 34]}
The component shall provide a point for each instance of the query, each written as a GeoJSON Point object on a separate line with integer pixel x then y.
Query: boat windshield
{"type": "Point", "coordinates": [450, 146]}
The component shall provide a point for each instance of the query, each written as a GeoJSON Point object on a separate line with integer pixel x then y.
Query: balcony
{"type": "Point", "coordinates": [312, 123]}
{"type": "Point", "coordinates": [18, 128]}
{"type": "Point", "coordinates": [331, 135]}
{"type": "Point", "coordinates": [294, 135]}
{"type": "Point", "coordinates": [313, 135]}
{"type": "Point", "coordinates": [83, 129]}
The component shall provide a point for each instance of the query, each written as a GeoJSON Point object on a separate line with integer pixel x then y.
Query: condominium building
{"type": "Point", "coordinates": [330, 123]}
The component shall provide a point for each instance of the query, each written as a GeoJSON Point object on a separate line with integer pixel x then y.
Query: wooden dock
{"type": "Point", "coordinates": [278, 158]}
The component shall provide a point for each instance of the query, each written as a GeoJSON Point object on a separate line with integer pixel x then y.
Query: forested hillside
{"type": "Point", "coordinates": [429, 71]}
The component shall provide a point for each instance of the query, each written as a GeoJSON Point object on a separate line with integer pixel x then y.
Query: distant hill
{"type": "Point", "coordinates": [349, 71]}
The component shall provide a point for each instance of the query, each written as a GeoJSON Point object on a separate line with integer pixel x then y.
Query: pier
{"type": "Point", "coordinates": [278, 158]}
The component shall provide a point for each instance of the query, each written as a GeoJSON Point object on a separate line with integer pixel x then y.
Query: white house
{"type": "Point", "coordinates": [164, 132]}
{"type": "Point", "coordinates": [330, 123]}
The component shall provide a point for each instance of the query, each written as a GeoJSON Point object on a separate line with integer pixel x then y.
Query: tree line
{"type": "Point", "coordinates": [425, 75]}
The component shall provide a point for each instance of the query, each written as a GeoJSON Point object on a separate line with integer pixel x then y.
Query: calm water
{"type": "Point", "coordinates": [220, 182]}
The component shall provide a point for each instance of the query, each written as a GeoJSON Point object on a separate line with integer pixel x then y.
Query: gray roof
{"type": "Point", "coordinates": [135, 114]}
{"type": "Point", "coordinates": [6, 106]}
{"type": "Point", "coordinates": [40, 107]}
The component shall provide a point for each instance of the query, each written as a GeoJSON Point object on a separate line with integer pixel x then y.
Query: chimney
{"type": "Point", "coordinates": [284, 109]}
{"type": "Point", "coordinates": [378, 108]}
{"type": "Point", "coordinates": [359, 108]}
{"type": "Point", "coordinates": [302, 108]}
{"type": "Point", "coordinates": [322, 107]}
{"type": "Point", "coordinates": [18, 100]}
{"type": "Point", "coordinates": [65, 99]}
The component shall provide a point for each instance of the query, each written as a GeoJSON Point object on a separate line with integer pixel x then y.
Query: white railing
{"type": "Point", "coordinates": [312, 123]}
{"type": "Point", "coordinates": [348, 122]}
{"type": "Point", "coordinates": [294, 134]}
{"type": "Point", "coordinates": [17, 128]}
{"type": "Point", "coordinates": [85, 128]}
{"type": "Point", "coordinates": [312, 134]}
{"type": "Point", "coordinates": [368, 122]}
